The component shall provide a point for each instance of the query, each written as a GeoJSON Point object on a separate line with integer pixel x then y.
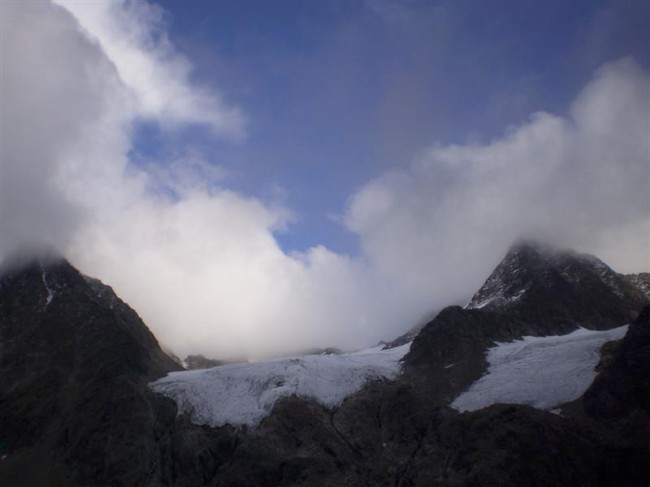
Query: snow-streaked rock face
{"type": "Point", "coordinates": [245, 393]}
{"type": "Point", "coordinates": [50, 293]}
{"type": "Point", "coordinates": [530, 264]}
{"type": "Point", "coordinates": [542, 372]}
{"type": "Point", "coordinates": [509, 281]}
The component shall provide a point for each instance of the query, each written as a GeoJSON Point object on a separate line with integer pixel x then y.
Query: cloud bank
{"type": "Point", "coordinates": [201, 264]}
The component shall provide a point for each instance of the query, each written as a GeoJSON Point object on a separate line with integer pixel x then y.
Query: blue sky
{"type": "Point", "coordinates": [335, 93]}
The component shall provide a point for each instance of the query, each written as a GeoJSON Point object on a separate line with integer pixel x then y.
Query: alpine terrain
{"type": "Point", "coordinates": [542, 379]}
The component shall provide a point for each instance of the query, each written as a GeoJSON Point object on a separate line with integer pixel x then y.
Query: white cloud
{"type": "Point", "coordinates": [132, 35]}
{"type": "Point", "coordinates": [580, 182]}
{"type": "Point", "coordinates": [203, 267]}
{"type": "Point", "coordinates": [54, 90]}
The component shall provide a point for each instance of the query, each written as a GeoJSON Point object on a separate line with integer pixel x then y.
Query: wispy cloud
{"type": "Point", "coordinates": [132, 35]}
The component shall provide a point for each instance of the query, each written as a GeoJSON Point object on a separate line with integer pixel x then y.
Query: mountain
{"type": "Point", "coordinates": [535, 291]}
{"type": "Point", "coordinates": [540, 284]}
{"type": "Point", "coordinates": [74, 365]}
{"type": "Point", "coordinates": [79, 373]}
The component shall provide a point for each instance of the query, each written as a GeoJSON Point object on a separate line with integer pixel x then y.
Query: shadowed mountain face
{"type": "Point", "coordinates": [76, 407]}
{"type": "Point", "coordinates": [641, 281]}
{"type": "Point", "coordinates": [623, 387]}
{"type": "Point", "coordinates": [74, 364]}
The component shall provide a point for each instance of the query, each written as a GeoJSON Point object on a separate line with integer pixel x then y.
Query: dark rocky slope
{"type": "Point", "coordinates": [74, 367]}
{"type": "Point", "coordinates": [641, 281]}
{"type": "Point", "coordinates": [623, 387]}
{"type": "Point", "coordinates": [75, 408]}
{"type": "Point", "coordinates": [618, 401]}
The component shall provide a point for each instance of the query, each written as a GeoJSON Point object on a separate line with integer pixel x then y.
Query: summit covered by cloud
{"type": "Point", "coordinates": [200, 259]}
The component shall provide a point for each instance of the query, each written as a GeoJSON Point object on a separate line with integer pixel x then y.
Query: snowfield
{"type": "Point", "coordinates": [244, 394]}
{"type": "Point", "coordinates": [542, 372]}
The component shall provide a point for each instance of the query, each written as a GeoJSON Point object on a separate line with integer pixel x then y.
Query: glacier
{"type": "Point", "coordinates": [245, 393]}
{"type": "Point", "coordinates": [542, 372]}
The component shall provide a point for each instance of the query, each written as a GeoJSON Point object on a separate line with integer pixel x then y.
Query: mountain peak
{"type": "Point", "coordinates": [510, 280]}
{"type": "Point", "coordinates": [533, 274]}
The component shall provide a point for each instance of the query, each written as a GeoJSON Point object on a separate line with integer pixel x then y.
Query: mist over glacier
{"type": "Point", "coordinates": [200, 261]}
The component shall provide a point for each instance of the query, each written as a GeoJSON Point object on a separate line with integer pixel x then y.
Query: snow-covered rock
{"type": "Point", "coordinates": [245, 393]}
{"type": "Point", "coordinates": [542, 372]}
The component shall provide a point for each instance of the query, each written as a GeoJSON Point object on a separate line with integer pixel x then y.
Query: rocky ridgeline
{"type": "Point", "coordinates": [76, 409]}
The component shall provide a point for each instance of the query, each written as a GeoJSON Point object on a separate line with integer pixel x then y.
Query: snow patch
{"type": "Point", "coordinates": [245, 393]}
{"type": "Point", "coordinates": [542, 372]}
{"type": "Point", "coordinates": [50, 293]}
{"type": "Point", "coordinates": [498, 298]}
